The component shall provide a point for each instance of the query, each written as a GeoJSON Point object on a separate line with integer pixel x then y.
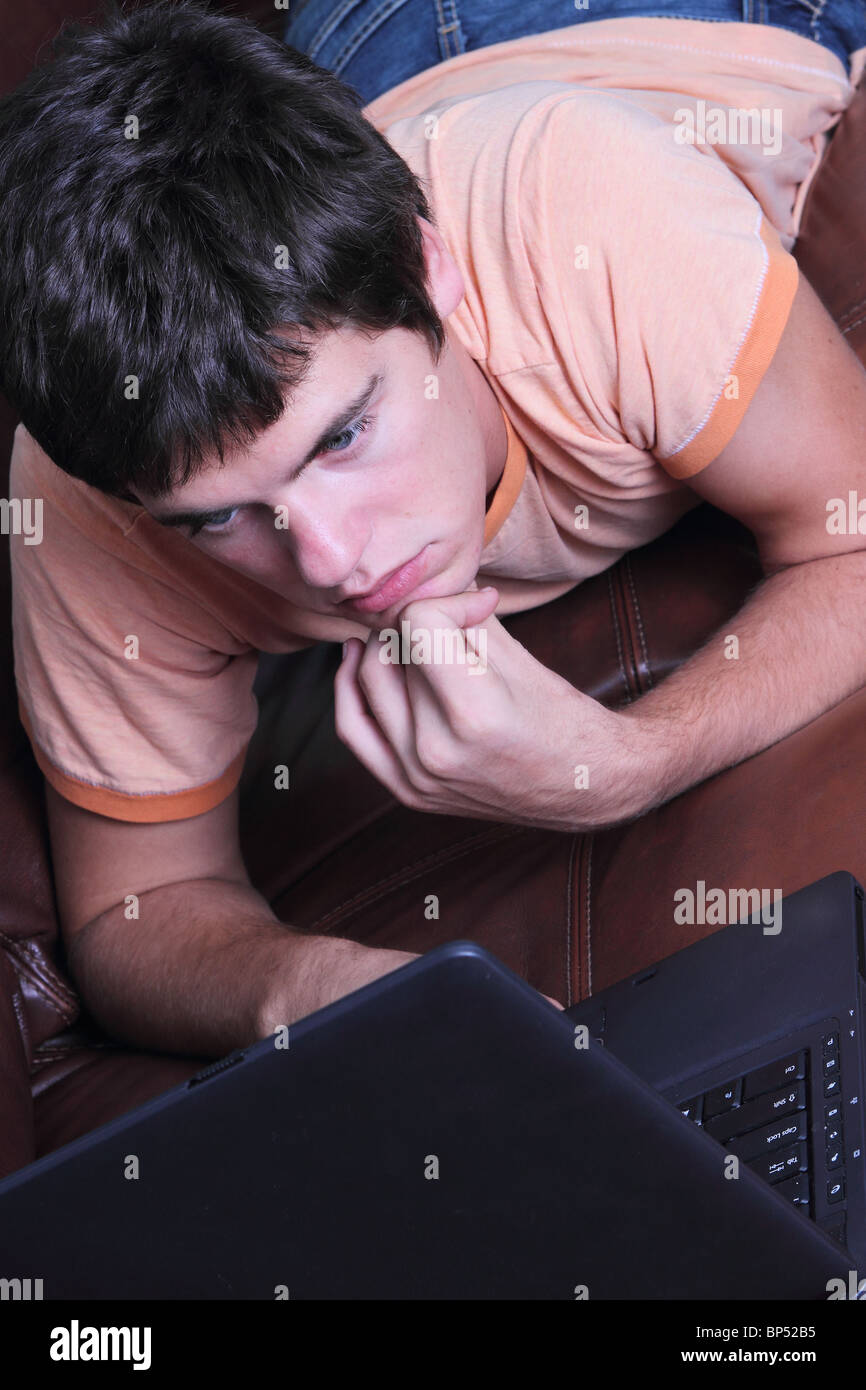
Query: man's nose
{"type": "Point", "coordinates": [326, 548]}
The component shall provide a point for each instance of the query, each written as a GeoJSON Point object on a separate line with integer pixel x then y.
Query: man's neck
{"type": "Point", "coordinates": [492, 419]}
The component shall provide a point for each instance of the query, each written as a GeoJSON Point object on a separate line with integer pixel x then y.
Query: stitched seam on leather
{"type": "Point", "coordinates": [21, 1016]}
{"type": "Point", "coordinates": [569, 921]}
{"type": "Point", "coordinates": [638, 621]}
{"type": "Point", "coordinates": [414, 870]}
{"type": "Point", "coordinates": [58, 1052]}
{"type": "Point", "coordinates": [628, 635]}
{"type": "Point", "coordinates": [39, 975]}
{"type": "Point", "coordinates": [45, 1086]}
{"type": "Point", "coordinates": [589, 914]}
{"type": "Point", "coordinates": [22, 953]}
{"type": "Point", "coordinates": [852, 309]}
{"type": "Point", "coordinates": [616, 633]}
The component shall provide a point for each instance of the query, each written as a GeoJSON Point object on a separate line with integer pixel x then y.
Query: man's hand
{"type": "Point", "coordinates": [331, 968]}
{"type": "Point", "coordinates": [483, 729]}
{"type": "Point", "coordinates": [328, 969]}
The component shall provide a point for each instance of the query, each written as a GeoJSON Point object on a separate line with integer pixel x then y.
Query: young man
{"type": "Point", "coordinates": [287, 375]}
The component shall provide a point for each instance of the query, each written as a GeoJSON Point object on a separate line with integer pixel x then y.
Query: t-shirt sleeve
{"type": "Point", "coordinates": [138, 702]}
{"type": "Point", "coordinates": [667, 288]}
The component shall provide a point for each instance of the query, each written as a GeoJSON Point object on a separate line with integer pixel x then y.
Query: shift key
{"type": "Point", "coordinates": [757, 1113]}
{"type": "Point", "coordinates": [772, 1136]}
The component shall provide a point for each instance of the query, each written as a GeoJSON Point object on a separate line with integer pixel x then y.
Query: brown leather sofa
{"type": "Point", "coordinates": [570, 913]}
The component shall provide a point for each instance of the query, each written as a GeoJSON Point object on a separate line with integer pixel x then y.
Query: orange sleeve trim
{"type": "Point", "coordinates": [510, 483]}
{"type": "Point", "coordinates": [148, 809]}
{"type": "Point", "coordinates": [752, 361]}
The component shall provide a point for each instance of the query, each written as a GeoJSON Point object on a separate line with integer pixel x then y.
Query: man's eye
{"type": "Point", "coordinates": [220, 521]}
{"type": "Point", "coordinates": [350, 434]}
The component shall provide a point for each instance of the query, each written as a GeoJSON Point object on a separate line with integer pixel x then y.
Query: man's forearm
{"type": "Point", "coordinates": [206, 967]}
{"type": "Point", "coordinates": [799, 649]}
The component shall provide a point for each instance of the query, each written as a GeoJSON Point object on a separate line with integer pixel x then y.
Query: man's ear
{"type": "Point", "coordinates": [444, 282]}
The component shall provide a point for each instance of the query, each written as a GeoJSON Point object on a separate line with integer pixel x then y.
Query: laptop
{"type": "Point", "coordinates": [445, 1132]}
{"type": "Point", "coordinates": [755, 1034]}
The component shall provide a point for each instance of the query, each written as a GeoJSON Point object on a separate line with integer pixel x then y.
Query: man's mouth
{"type": "Point", "coordinates": [393, 587]}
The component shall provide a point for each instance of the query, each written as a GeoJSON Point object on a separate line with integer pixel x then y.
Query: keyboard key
{"type": "Point", "coordinates": [833, 1133]}
{"type": "Point", "coordinates": [830, 1066]}
{"type": "Point", "coordinates": [832, 1115]}
{"type": "Point", "coordinates": [831, 1044]}
{"type": "Point", "coordinates": [832, 1086]}
{"type": "Point", "coordinates": [836, 1188]}
{"type": "Point", "coordinates": [757, 1112]}
{"type": "Point", "coordinates": [774, 1075]}
{"type": "Point", "coordinates": [778, 1135]}
{"type": "Point", "coordinates": [691, 1109]}
{"type": "Point", "coordinates": [722, 1098]}
{"type": "Point", "coordinates": [834, 1156]}
{"type": "Point", "coordinates": [773, 1167]}
{"type": "Point", "coordinates": [796, 1190]}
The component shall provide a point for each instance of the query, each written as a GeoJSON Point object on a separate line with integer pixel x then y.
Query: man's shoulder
{"type": "Point", "coordinates": [32, 472]}
{"type": "Point", "coordinates": [520, 108]}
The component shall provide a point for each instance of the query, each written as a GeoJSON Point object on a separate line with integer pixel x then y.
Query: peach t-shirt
{"type": "Point", "coordinates": [625, 293]}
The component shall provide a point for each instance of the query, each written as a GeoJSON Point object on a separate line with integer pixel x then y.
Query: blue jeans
{"type": "Point", "coordinates": [375, 44]}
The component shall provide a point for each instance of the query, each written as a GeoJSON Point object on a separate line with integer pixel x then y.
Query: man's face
{"type": "Point", "coordinates": [405, 480]}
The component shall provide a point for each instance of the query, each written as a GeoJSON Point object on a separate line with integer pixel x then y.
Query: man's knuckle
{"type": "Point", "coordinates": [408, 795]}
{"type": "Point", "coordinates": [434, 755]}
{"type": "Point", "coordinates": [470, 725]}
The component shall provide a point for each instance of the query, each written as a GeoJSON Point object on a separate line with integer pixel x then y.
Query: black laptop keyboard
{"type": "Point", "coordinates": [764, 1116]}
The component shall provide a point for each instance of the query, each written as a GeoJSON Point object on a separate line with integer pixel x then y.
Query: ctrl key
{"type": "Point", "coordinates": [796, 1190]}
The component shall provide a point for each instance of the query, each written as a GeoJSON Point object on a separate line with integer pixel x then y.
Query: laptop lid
{"type": "Point", "coordinates": [436, 1134]}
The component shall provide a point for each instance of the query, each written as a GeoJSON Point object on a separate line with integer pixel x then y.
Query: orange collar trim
{"type": "Point", "coordinates": [508, 488]}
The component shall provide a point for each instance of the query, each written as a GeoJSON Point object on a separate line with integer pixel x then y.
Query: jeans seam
{"type": "Point", "coordinates": [372, 22]}
{"type": "Point", "coordinates": [449, 27]}
{"type": "Point", "coordinates": [328, 28]}
{"type": "Point", "coordinates": [813, 23]}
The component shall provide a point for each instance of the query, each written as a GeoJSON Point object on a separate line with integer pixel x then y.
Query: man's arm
{"type": "Point", "coordinates": [170, 945]}
{"type": "Point", "coordinates": [800, 638]}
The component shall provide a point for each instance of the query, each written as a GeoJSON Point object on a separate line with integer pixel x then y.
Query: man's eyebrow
{"type": "Point", "coordinates": [335, 427]}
